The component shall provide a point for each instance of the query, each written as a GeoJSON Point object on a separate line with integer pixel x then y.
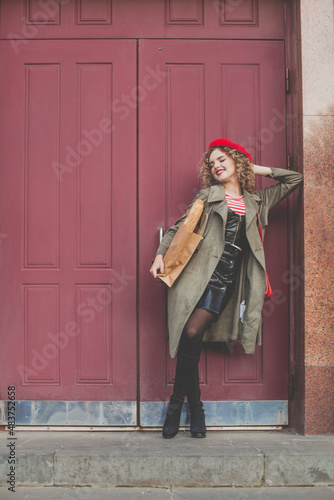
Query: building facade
{"type": "Point", "coordinates": [108, 107]}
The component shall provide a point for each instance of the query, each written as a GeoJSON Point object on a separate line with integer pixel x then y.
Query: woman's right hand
{"type": "Point", "coordinates": [158, 265]}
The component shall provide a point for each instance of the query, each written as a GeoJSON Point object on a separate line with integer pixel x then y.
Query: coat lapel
{"type": "Point", "coordinates": [217, 196]}
{"type": "Point", "coordinates": [216, 193]}
{"type": "Point", "coordinates": [252, 205]}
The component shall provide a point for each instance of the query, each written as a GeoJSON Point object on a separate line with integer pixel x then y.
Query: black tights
{"type": "Point", "coordinates": [194, 330]}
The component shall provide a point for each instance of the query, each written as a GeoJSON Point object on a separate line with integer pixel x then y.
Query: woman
{"type": "Point", "coordinates": [220, 292]}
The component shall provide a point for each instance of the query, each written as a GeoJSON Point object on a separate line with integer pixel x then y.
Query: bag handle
{"type": "Point", "coordinates": [269, 291]}
{"type": "Point", "coordinates": [260, 227]}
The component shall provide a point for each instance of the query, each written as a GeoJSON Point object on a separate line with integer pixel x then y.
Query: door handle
{"type": "Point", "coordinates": [161, 233]}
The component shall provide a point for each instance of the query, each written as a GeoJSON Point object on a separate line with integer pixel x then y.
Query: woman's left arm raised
{"type": "Point", "coordinates": [288, 181]}
{"type": "Point", "coordinates": [258, 170]}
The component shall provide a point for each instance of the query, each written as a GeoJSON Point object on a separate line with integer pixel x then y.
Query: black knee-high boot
{"type": "Point", "coordinates": [197, 417]}
{"type": "Point", "coordinates": [185, 370]}
{"type": "Point", "coordinates": [186, 384]}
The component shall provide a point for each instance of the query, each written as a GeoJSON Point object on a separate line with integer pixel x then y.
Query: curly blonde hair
{"type": "Point", "coordinates": [243, 166]}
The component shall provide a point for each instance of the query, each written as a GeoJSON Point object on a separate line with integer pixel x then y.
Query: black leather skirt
{"type": "Point", "coordinates": [221, 285]}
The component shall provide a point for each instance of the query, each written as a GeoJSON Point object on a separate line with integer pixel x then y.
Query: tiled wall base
{"type": "Point", "coordinates": [152, 414]}
{"type": "Point", "coordinates": [222, 413]}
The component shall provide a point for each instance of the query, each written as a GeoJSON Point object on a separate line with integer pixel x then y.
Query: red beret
{"type": "Point", "coordinates": [230, 144]}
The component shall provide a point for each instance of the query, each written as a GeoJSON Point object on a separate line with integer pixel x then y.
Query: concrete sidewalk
{"type": "Point", "coordinates": [100, 493]}
{"type": "Point", "coordinates": [145, 459]}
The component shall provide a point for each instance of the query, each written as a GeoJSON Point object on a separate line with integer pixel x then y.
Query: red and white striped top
{"type": "Point", "coordinates": [236, 204]}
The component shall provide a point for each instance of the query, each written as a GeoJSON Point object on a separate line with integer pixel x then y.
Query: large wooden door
{"type": "Point", "coordinates": [68, 213]}
{"type": "Point", "coordinates": [84, 130]}
{"type": "Point", "coordinates": [211, 89]}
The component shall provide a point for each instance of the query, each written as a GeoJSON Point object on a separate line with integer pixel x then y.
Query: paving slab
{"type": "Point", "coordinates": [299, 469]}
{"type": "Point", "coordinates": [99, 493]}
{"type": "Point", "coordinates": [145, 459]}
{"type": "Point", "coordinates": [253, 494]}
{"type": "Point", "coordinates": [76, 493]}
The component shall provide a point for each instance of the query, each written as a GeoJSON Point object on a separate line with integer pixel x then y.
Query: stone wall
{"type": "Point", "coordinates": [314, 403]}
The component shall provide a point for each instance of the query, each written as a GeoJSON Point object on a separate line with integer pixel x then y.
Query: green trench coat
{"type": "Point", "coordinates": [251, 279]}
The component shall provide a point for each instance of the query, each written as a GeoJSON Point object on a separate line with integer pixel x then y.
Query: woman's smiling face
{"type": "Point", "coordinates": [222, 166]}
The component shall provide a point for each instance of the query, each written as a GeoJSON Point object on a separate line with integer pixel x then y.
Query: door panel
{"type": "Point", "coordinates": [68, 209]}
{"type": "Point", "coordinates": [209, 89]}
{"type": "Point", "coordinates": [24, 20]}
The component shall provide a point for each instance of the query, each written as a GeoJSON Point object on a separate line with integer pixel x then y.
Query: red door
{"type": "Point", "coordinates": [211, 89]}
{"type": "Point", "coordinates": [70, 234]}
{"type": "Point", "coordinates": [68, 213]}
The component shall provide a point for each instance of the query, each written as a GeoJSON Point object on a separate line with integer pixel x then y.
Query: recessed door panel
{"type": "Point", "coordinates": [25, 20]}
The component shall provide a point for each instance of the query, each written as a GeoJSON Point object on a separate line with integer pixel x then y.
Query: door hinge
{"type": "Point", "coordinates": [289, 162]}
{"type": "Point", "coordinates": [291, 388]}
{"type": "Point", "coordinates": [287, 80]}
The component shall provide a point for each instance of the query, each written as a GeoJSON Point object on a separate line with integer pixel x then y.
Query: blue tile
{"type": "Point", "coordinates": [222, 413]}
{"type": "Point", "coordinates": [84, 413]}
{"type": "Point", "coordinates": [119, 413]}
{"type": "Point", "coordinates": [48, 413]}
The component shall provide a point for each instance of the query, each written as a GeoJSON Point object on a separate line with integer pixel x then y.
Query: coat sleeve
{"type": "Point", "coordinates": [169, 235]}
{"type": "Point", "coordinates": [288, 182]}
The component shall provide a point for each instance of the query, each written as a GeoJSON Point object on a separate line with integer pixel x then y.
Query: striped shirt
{"type": "Point", "coordinates": [236, 204]}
